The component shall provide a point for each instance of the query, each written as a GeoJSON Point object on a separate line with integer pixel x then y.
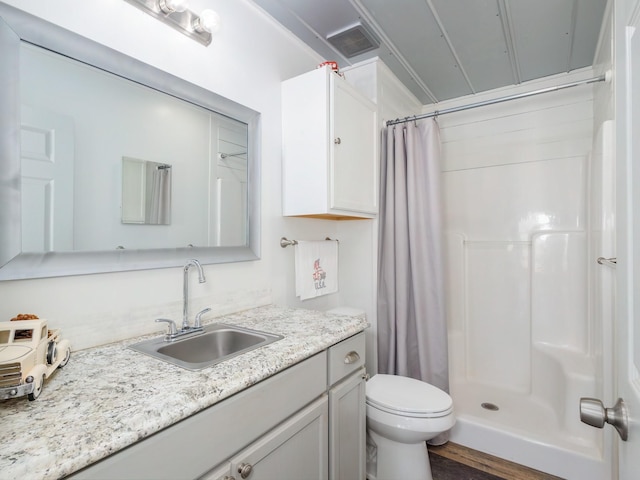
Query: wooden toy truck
{"type": "Point", "coordinates": [29, 353]}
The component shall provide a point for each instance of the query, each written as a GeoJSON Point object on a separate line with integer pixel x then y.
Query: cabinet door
{"type": "Point", "coordinates": [347, 434]}
{"type": "Point", "coordinates": [297, 449]}
{"type": "Point", "coordinates": [354, 162]}
{"type": "Point", "coordinates": [221, 473]}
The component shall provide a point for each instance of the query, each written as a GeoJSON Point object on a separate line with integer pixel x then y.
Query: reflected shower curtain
{"type": "Point", "coordinates": [412, 329]}
{"type": "Point", "coordinates": [160, 198]}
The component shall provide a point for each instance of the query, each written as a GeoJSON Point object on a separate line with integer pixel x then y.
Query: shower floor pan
{"type": "Point", "coordinates": [525, 430]}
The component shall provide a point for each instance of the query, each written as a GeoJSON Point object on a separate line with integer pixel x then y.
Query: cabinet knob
{"type": "Point", "coordinates": [337, 141]}
{"type": "Point", "coordinates": [245, 469]}
{"type": "Point", "coordinates": [351, 357]}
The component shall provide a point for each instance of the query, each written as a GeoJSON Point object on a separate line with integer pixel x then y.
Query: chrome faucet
{"type": "Point", "coordinates": [186, 329]}
{"type": "Point", "coordinates": [185, 290]}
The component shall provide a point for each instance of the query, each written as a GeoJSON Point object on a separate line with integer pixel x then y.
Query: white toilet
{"type": "Point", "coordinates": [402, 414]}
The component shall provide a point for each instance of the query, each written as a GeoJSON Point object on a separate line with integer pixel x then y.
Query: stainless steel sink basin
{"type": "Point", "coordinates": [218, 342]}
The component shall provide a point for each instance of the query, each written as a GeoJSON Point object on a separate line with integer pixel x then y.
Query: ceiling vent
{"type": "Point", "coordinates": [353, 41]}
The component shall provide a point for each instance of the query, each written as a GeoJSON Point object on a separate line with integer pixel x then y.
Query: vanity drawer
{"type": "Point", "coordinates": [346, 357]}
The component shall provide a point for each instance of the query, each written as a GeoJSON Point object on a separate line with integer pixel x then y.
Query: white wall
{"type": "Point", "coordinates": [246, 62]}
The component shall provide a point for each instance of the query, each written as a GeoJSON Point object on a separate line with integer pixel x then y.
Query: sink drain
{"type": "Point", "coordinates": [490, 406]}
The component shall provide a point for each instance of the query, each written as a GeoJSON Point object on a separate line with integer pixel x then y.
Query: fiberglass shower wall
{"type": "Point", "coordinates": [515, 179]}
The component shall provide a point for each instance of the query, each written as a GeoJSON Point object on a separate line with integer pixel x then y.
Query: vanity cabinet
{"type": "Point", "coordinates": [206, 440]}
{"type": "Point", "coordinates": [302, 423]}
{"type": "Point", "coordinates": [329, 152]}
{"type": "Point", "coordinates": [347, 409]}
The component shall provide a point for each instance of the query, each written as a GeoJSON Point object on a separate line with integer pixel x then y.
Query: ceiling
{"type": "Point", "coordinates": [443, 49]}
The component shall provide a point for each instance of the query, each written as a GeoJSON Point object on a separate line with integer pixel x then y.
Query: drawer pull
{"type": "Point", "coordinates": [245, 469]}
{"type": "Point", "coordinates": [351, 357]}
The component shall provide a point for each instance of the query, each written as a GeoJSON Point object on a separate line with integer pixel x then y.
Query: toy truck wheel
{"type": "Point", "coordinates": [65, 360]}
{"type": "Point", "coordinates": [52, 353]}
{"type": "Point", "coordinates": [37, 390]}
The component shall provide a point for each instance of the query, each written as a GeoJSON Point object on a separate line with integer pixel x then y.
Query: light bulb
{"type": "Point", "coordinates": [170, 6]}
{"type": "Point", "coordinates": [208, 21]}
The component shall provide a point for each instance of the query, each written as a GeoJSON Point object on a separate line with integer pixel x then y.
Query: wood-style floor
{"type": "Point", "coordinates": [455, 462]}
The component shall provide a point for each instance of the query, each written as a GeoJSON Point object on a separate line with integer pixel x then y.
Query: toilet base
{"type": "Point", "coordinates": [396, 460]}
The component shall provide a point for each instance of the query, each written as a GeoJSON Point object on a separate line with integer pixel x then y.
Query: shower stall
{"type": "Point", "coordinates": [528, 193]}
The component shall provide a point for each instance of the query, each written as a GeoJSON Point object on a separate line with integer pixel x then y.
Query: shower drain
{"type": "Point", "coordinates": [490, 406]}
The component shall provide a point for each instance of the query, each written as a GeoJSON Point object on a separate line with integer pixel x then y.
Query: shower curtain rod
{"type": "Point", "coordinates": [601, 78]}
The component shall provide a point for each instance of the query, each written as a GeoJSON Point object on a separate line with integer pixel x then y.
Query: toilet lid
{"type": "Point", "coordinates": [409, 396]}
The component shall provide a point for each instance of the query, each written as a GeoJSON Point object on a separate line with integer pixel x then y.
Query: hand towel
{"type": "Point", "coordinates": [316, 268]}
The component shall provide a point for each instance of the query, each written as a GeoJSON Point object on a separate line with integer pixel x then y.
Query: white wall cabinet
{"type": "Point", "coordinates": [330, 148]}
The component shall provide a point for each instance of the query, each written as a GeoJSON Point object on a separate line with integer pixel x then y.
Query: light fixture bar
{"type": "Point", "coordinates": [181, 21]}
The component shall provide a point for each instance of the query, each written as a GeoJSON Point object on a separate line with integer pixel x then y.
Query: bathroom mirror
{"type": "Point", "coordinates": [221, 214]}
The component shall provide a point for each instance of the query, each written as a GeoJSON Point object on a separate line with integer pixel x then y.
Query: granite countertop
{"type": "Point", "coordinates": [109, 397]}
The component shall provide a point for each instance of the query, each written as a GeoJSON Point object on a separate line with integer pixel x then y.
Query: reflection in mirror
{"type": "Point", "coordinates": [80, 109]}
{"type": "Point", "coordinates": [111, 117]}
{"type": "Point", "coordinates": [228, 219]}
{"type": "Point", "coordinates": [146, 192]}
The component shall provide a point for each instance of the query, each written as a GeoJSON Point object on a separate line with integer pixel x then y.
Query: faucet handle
{"type": "Point", "coordinates": [173, 330]}
{"type": "Point", "coordinates": [198, 322]}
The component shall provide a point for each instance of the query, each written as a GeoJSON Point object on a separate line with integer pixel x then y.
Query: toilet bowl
{"type": "Point", "coordinates": [402, 414]}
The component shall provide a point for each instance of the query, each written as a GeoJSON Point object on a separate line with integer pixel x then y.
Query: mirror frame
{"type": "Point", "coordinates": [17, 26]}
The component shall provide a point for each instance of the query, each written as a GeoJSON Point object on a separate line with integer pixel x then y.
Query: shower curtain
{"type": "Point", "coordinates": [412, 330]}
{"type": "Point", "coordinates": [160, 197]}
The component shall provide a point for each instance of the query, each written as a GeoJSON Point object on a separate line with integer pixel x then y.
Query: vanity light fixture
{"type": "Point", "coordinates": [208, 21]}
{"type": "Point", "coordinates": [176, 14]}
{"type": "Point", "coordinates": [171, 6]}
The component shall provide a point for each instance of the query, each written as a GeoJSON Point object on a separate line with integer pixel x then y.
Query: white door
{"type": "Point", "coordinates": [628, 270]}
{"type": "Point", "coordinates": [47, 158]}
{"type": "Point", "coordinates": [626, 359]}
